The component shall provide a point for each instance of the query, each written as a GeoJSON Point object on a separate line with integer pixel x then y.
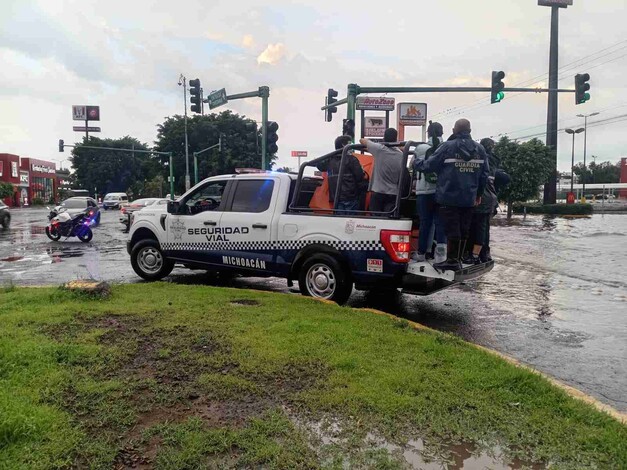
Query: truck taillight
{"type": "Point", "coordinates": [397, 244]}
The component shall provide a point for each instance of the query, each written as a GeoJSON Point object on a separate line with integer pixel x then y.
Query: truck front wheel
{"type": "Point", "coordinates": [149, 262]}
{"type": "Point", "coordinates": [322, 276]}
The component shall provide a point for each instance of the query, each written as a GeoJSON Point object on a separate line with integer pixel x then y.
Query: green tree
{"type": "Point", "coordinates": [241, 143]}
{"type": "Point", "coordinates": [529, 165]}
{"type": "Point", "coordinates": [605, 172]}
{"type": "Point", "coordinates": [111, 170]}
{"type": "Point", "coordinates": [155, 187]}
{"type": "Point", "coordinates": [6, 190]}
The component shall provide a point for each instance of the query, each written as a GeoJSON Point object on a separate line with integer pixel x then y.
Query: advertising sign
{"type": "Point", "coordinates": [85, 113]}
{"type": "Point", "coordinates": [13, 169]}
{"type": "Point", "coordinates": [412, 114]}
{"type": "Point", "coordinates": [369, 103]}
{"type": "Point", "coordinates": [86, 129]}
{"type": "Point", "coordinates": [555, 3]}
{"type": "Point", "coordinates": [299, 153]}
{"type": "Point", "coordinates": [42, 169]}
{"type": "Point", "coordinates": [1, 168]}
{"type": "Point", "coordinates": [23, 178]}
{"type": "Point", "coordinates": [217, 98]}
{"type": "Point", "coordinates": [374, 126]}
{"type": "Point", "coordinates": [79, 113]}
{"type": "Point", "coordinates": [93, 113]}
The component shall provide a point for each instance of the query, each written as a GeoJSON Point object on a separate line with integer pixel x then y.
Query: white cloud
{"type": "Point", "coordinates": [272, 54]}
{"type": "Point", "coordinates": [248, 41]}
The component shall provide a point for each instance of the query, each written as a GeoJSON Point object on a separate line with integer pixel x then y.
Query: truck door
{"type": "Point", "coordinates": [194, 234]}
{"type": "Point", "coordinates": [247, 224]}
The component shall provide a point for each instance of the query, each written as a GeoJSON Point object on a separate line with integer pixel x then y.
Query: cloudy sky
{"type": "Point", "coordinates": [127, 58]}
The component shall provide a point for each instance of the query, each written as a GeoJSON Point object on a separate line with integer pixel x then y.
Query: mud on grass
{"type": "Point", "coordinates": [170, 376]}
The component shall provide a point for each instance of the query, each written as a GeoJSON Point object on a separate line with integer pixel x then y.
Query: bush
{"type": "Point", "coordinates": [37, 201]}
{"type": "Point", "coordinates": [555, 209]}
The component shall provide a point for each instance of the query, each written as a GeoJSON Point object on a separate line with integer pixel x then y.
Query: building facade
{"type": "Point", "coordinates": [33, 180]}
{"type": "Point", "coordinates": [10, 173]}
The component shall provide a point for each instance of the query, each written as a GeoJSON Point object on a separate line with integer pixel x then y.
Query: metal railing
{"type": "Point", "coordinates": [408, 149]}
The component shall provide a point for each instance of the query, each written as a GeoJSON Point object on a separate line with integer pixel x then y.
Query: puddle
{"type": "Point", "coordinates": [332, 441]}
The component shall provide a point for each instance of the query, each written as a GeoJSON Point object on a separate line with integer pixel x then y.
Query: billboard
{"type": "Point", "coordinates": [412, 114]}
{"type": "Point", "coordinates": [555, 3]}
{"type": "Point", "coordinates": [299, 153]}
{"type": "Point", "coordinates": [85, 113]}
{"type": "Point", "coordinates": [368, 103]}
{"type": "Point", "coordinates": [374, 126]}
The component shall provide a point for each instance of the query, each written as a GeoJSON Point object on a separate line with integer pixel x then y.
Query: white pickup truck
{"type": "Point", "coordinates": [261, 225]}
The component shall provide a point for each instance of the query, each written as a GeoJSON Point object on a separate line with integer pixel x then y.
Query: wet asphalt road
{"type": "Point", "coordinates": [556, 299]}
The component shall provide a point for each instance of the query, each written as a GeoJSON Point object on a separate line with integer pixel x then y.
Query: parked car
{"type": "Point", "coordinates": [128, 209]}
{"type": "Point", "coordinates": [5, 215]}
{"type": "Point", "coordinates": [114, 200]}
{"type": "Point", "coordinates": [75, 205]}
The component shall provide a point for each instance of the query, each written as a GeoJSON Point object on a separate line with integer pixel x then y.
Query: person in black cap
{"type": "Point", "coordinates": [462, 168]}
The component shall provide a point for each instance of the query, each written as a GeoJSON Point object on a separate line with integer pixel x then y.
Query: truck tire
{"type": "Point", "coordinates": [323, 277]}
{"type": "Point", "coordinates": [6, 221]}
{"type": "Point", "coordinates": [148, 261]}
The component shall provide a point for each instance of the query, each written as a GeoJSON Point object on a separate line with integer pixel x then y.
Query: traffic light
{"type": "Point", "coordinates": [496, 93]}
{"type": "Point", "coordinates": [581, 88]}
{"type": "Point", "coordinates": [348, 127]}
{"type": "Point", "coordinates": [194, 95]}
{"type": "Point", "coordinates": [331, 98]}
{"type": "Point", "coordinates": [60, 145]}
{"type": "Point", "coordinates": [271, 137]}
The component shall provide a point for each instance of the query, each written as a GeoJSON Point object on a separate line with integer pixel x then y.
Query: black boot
{"type": "Point", "coordinates": [453, 253]}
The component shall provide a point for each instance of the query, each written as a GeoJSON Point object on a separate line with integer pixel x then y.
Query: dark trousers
{"type": "Point", "coordinates": [456, 221]}
{"type": "Point", "coordinates": [427, 210]}
{"type": "Point", "coordinates": [480, 229]}
{"type": "Point", "coordinates": [380, 202]}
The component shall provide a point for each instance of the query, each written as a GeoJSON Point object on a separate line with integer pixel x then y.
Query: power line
{"type": "Point", "coordinates": [612, 120]}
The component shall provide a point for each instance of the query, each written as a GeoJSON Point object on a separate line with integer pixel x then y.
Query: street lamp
{"type": "Point", "coordinates": [572, 166]}
{"type": "Point", "coordinates": [585, 140]}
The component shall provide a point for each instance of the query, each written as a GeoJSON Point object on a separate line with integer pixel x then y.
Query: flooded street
{"type": "Point", "coordinates": [556, 299]}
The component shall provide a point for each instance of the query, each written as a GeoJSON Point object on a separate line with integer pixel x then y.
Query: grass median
{"type": "Point", "coordinates": [170, 376]}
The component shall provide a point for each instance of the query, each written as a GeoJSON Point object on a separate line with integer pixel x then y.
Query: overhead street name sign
{"type": "Point", "coordinates": [299, 153]}
{"type": "Point", "coordinates": [555, 3]}
{"type": "Point", "coordinates": [217, 98]}
{"type": "Point", "coordinates": [368, 103]}
{"type": "Point", "coordinates": [86, 129]}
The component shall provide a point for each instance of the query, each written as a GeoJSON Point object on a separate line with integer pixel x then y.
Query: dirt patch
{"type": "Point", "coordinates": [246, 302]}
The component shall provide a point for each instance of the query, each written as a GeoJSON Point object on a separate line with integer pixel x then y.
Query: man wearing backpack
{"type": "Point", "coordinates": [462, 168]}
{"type": "Point", "coordinates": [426, 207]}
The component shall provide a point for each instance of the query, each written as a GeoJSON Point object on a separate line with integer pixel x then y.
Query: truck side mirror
{"type": "Point", "coordinates": [173, 207]}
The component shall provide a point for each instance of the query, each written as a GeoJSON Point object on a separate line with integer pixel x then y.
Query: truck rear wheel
{"type": "Point", "coordinates": [323, 277]}
{"type": "Point", "coordinates": [149, 262]}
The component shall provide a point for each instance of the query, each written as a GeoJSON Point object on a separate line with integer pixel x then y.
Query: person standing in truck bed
{"type": "Point", "coordinates": [388, 168]}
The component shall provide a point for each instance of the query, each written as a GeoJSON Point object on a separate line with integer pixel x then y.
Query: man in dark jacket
{"type": "Point", "coordinates": [462, 168]}
{"type": "Point", "coordinates": [354, 180]}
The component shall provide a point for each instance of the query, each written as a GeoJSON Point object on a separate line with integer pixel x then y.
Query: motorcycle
{"type": "Point", "coordinates": [62, 224]}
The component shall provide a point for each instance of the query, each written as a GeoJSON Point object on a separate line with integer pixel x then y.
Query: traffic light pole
{"type": "Point", "coordinates": [133, 150]}
{"type": "Point", "coordinates": [264, 93]}
{"type": "Point", "coordinates": [187, 179]}
{"type": "Point", "coordinates": [196, 154]}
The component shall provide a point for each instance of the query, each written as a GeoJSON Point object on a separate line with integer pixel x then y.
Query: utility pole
{"type": "Point", "coordinates": [572, 165]}
{"type": "Point", "coordinates": [585, 144]}
{"type": "Point", "coordinates": [183, 82]}
{"type": "Point", "coordinates": [550, 188]}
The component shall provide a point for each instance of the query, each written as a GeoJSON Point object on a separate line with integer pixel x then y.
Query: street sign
{"type": "Point", "coordinates": [86, 129]}
{"type": "Point", "coordinates": [79, 113]}
{"type": "Point", "coordinates": [299, 153]}
{"type": "Point", "coordinates": [368, 103]}
{"type": "Point", "coordinates": [555, 3]}
{"type": "Point", "coordinates": [412, 114]}
{"type": "Point", "coordinates": [374, 126]}
{"type": "Point", "coordinates": [217, 98]}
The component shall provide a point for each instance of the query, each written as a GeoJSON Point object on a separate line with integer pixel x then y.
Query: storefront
{"type": "Point", "coordinates": [9, 173]}
{"type": "Point", "coordinates": [42, 180]}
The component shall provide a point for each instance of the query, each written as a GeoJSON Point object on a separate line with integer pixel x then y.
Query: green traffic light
{"type": "Point", "coordinates": [586, 97]}
{"type": "Point", "coordinates": [499, 96]}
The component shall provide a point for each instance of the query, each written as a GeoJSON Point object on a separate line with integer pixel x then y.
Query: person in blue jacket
{"type": "Point", "coordinates": [462, 168]}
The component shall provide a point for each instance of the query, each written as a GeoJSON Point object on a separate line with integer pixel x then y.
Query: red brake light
{"type": "Point", "coordinates": [397, 244]}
